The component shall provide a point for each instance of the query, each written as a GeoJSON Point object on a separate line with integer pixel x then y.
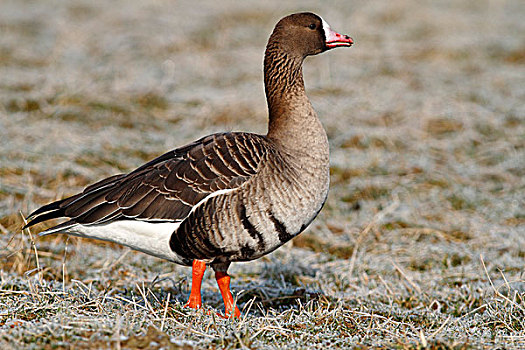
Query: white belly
{"type": "Point", "coordinates": [147, 237]}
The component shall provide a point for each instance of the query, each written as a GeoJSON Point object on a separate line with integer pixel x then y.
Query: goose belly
{"type": "Point", "coordinates": [148, 237]}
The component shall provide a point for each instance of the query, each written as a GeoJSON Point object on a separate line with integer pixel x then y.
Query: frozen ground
{"type": "Point", "coordinates": [422, 240]}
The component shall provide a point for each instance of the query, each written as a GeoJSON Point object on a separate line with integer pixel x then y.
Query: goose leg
{"type": "Point", "coordinates": [197, 272]}
{"type": "Point", "coordinates": [223, 280]}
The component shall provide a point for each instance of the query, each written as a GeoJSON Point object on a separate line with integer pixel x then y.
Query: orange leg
{"type": "Point", "coordinates": [197, 272]}
{"type": "Point", "coordinates": [223, 280]}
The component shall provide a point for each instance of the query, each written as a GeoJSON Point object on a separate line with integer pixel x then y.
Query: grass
{"type": "Point", "coordinates": [420, 244]}
{"type": "Point", "coordinates": [44, 308]}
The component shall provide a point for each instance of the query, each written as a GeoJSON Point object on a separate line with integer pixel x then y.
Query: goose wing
{"type": "Point", "coordinates": [164, 189]}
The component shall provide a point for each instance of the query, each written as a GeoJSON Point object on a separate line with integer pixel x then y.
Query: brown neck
{"type": "Point", "coordinates": [293, 122]}
{"type": "Point", "coordinates": [283, 79]}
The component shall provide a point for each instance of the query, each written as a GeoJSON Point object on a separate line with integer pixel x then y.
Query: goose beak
{"type": "Point", "coordinates": [334, 39]}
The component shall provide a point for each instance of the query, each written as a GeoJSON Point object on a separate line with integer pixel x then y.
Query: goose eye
{"type": "Point", "coordinates": [312, 26]}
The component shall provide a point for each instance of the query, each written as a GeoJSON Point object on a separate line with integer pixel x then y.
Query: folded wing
{"type": "Point", "coordinates": [165, 189]}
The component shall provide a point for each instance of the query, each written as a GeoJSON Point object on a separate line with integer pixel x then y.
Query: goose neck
{"type": "Point", "coordinates": [288, 105]}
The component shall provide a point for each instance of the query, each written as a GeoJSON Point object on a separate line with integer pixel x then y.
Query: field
{"type": "Point", "coordinates": [420, 244]}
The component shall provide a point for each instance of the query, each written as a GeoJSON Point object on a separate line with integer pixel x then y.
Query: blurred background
{"type": "Point", "coordinates": [425, 116]}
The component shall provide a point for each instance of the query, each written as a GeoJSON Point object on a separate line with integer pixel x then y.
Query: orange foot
{"type": "Point", "coordinates": [197, 273]}
{"type": "Point", "coordinates": [230, 309]}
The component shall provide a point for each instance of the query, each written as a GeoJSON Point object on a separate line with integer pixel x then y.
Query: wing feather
{"type": "Point", "coordinates": [168, 187]}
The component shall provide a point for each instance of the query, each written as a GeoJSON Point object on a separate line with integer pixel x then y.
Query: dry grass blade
{"type": "Point", "coordinates": [436, 333]}
{"type": "Point", "coordinates": [375, 220]}
{"type": "Point", "coordinates": [496, 291]}
{"type": "Point", "coordinates": [33, 246]}
{"type": "Point", "coordinates": [165, 312]}
{"type": "Point", "coordinates": [407, 278]}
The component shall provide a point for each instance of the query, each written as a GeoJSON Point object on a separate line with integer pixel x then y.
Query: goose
{"type": "Point", "coordinates": [227, 197]}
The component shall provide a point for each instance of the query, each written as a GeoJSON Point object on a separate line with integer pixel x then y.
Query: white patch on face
{"type": "Point", "coordinates": [326, 27]}
{"type": "Point", "coordinates": [327, 30]}
{"type": "Point", "coordinates": [329, 34]}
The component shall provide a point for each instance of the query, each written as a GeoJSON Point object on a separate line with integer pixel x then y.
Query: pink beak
{"type": "Point", "coordinates": [334, 39]}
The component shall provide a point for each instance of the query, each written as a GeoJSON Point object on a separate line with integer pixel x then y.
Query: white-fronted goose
{"type": "Point", "coordinates": [226, 197]}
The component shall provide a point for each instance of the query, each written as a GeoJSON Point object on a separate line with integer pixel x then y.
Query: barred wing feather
{"type": "Point", "coordinates": [166, 188]}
